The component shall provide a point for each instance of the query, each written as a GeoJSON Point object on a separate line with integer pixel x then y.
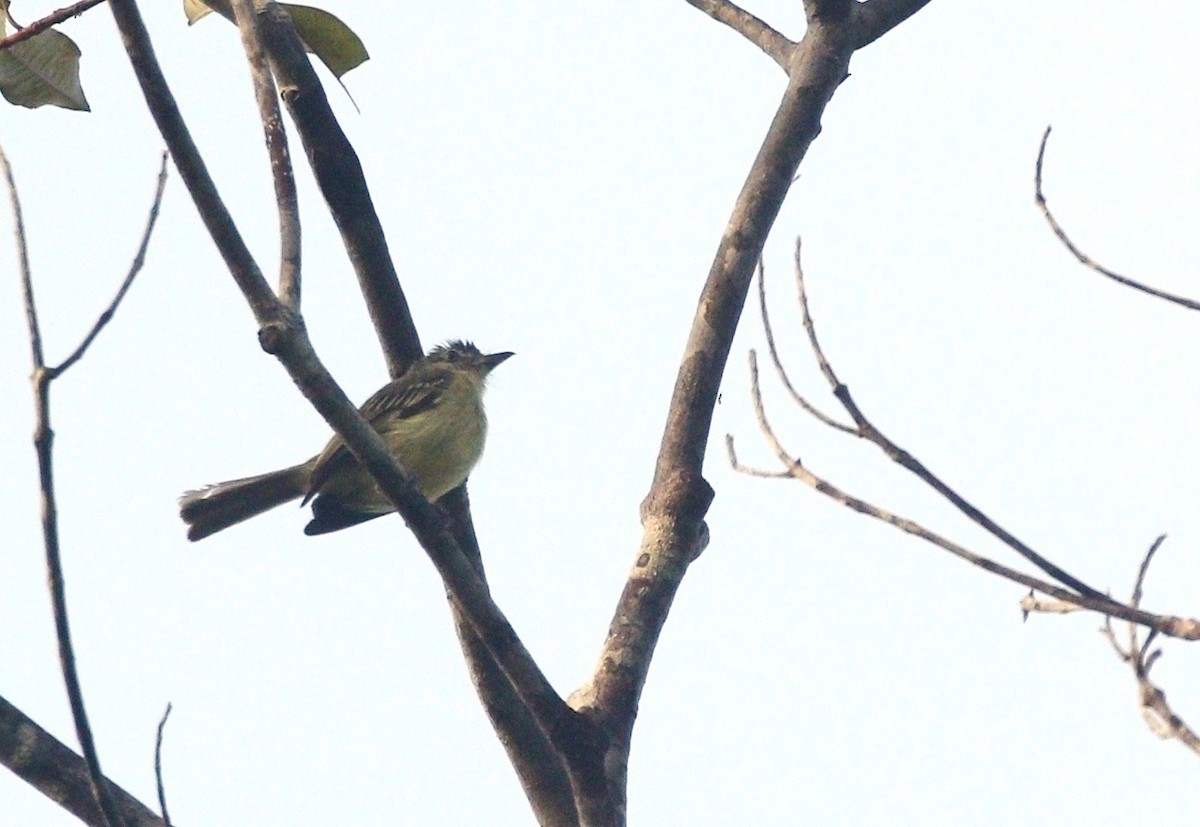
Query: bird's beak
{"type": "Point", "coordinates": [493, 359]}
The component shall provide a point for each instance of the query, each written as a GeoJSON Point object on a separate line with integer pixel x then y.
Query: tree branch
{"type": "Point", "coordinates": [865, 429]}
{"type": "Point", "coordinates": [775, 45]}
{"type": "Point", "coordinates": [53, 769]}
{"type": "Point", "coordinates": [41, 378]}
{"type": "Point", "coordinates": [1186, 628]}
{"type": "Point", "coordinates": [277, 149]}
{"type": "Point", "coordinates": [674, 532]}
{"type": "Point", "coordinates": [281, 333]}
{"type": "Point", "coordinates": [1157, 713]}
{"type": "Point", "coordinates": [340, 177]}
{"type": "Point", "coordinates": [38, 26]}
{"type": "Point", "coordinates": [1040, 198]}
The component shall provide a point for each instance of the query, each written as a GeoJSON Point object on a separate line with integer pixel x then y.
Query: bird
{"type": "Point", "coordinates": [432, 420]}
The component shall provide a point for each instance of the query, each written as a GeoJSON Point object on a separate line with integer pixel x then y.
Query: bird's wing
{"type": "Point", "coordinates": [401, 398]}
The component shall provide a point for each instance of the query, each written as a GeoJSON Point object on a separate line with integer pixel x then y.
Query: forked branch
{"type": "Point", "coordinates": [1158, 714]}
{"type": "Point", "coordinates": [1068, 588]}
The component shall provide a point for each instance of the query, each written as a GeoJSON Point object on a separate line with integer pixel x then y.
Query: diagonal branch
{"type": "Point", "coordinates": [775, 45]}
{"type": "Point", "coordinates": [53, 769]}
{"type": "Point", "coordinates": [904, 459]}
{"type": "Point", "coordinates": [1082, 257]}
{"type": "Point", "coordinates": [281, 333]}
{"type": "Point", "coordinates": [38, 26]}
{"type": "Point", "coordinates": [674, 531]}
{"type": "Point", "coordinates": [1179, 627]}
{"type": "Point", "coordinates": [139, 261]}
{"type": "Point", "coordinates": [538, 764]}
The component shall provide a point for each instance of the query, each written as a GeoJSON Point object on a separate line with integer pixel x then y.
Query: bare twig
{"type": "Point", "coordinates": [38, 26]}
{"type": "Point", "coordinates": [778, 363]}
{"type": "Point", "coordinates": [43, 444]}
{"type": "Point", "coordinates": [1156, 712]}
{"type": "Point", "coordinates": [277, 149]}
{"type": "Point", "coordinates": [158, 777]}
{"type": "Point", "coordinates": [775, 45]}
{"type": "Point", "coordinates": [1178, 627]}
{"type": "Point", "coordinates": [1040, 198]}
{"type": "Point", "coordinates": [907, 461]}
{"type": "Point", "coordinates": [139, 261]}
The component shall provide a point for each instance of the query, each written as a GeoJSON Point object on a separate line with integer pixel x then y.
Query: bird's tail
{"type": "Point", "coordinates": [215, 507]}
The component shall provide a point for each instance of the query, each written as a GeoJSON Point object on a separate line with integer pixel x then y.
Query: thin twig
{"type": "Point", "coordinates": [779, 369]}
{"type": "Point", "coordinates": [773, 44]}
{"type": "Point", "coordinates": [158, 778]}
{"type": "Point", "coordinates": [1186, 628]}
{"type": "Point", "coordinates": [1156, 711]}
{"type": "Point", "coordinates": [907, 461]}
{"type": "Point", "coordinates": [38, 26]}
{"type": "Point", "coordinates": [43, 444]}
{"type": "Point", "coordinates": [1040, 198]}
{"type": "Point", "coordinates": [139, 261]}
{"type": "Point", "coordinates": [282, 172]}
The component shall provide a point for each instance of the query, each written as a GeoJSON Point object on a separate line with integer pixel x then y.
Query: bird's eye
{"type": "Point", "coordinates": [451, 355]}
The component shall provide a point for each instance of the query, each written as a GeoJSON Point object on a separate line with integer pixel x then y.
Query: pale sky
{"type": "Point", "coordinates": [554, 180]}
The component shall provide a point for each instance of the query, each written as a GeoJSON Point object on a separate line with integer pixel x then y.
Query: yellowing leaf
{"type": "Point", "coordinates": [333, 42]}
{"type": "Point", "coordinates": [42, 70]}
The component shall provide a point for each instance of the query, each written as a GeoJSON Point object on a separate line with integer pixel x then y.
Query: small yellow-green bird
{"type": "Point", "coordinates": [431, 419]}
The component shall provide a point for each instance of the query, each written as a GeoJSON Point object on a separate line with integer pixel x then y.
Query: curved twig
{"type": "Point", "coordinates": [1040, 198]}
{"type": "Point", "coordinates": [158, 776]}
{"type": "Point", "coordinates": [778, 363]}
{"type": "Point", "coordinates": [910, 463]}
{"type": "Point", "coordinates": [1186, 628]}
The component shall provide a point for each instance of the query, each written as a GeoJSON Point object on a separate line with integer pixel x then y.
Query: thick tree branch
{"type": "Point", "coordinates": [673, 511]}
{"type": "Point", "coordinates": [53, 769]}
{"type": "Point", "coordinates": [538, 765]}
{"type": "Point", "coordinates": [1082, 257]}
{"type": "Point", "coordinates": [775, 45]}
{"type": "Point", "coordinates": [674, 532]}
{"type": "Point", "coordinates": [281, 333]}
{"type": "Point", "coordinates": [340, 177]}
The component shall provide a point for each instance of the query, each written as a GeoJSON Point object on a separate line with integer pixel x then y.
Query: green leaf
{"type": "Point", "coordinates": [333, 42]}
{"type": "Point", "coordinates": [42, 70]}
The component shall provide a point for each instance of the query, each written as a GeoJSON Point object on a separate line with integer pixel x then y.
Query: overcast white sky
{"type": "Point", "coordinates": [554, 179]}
